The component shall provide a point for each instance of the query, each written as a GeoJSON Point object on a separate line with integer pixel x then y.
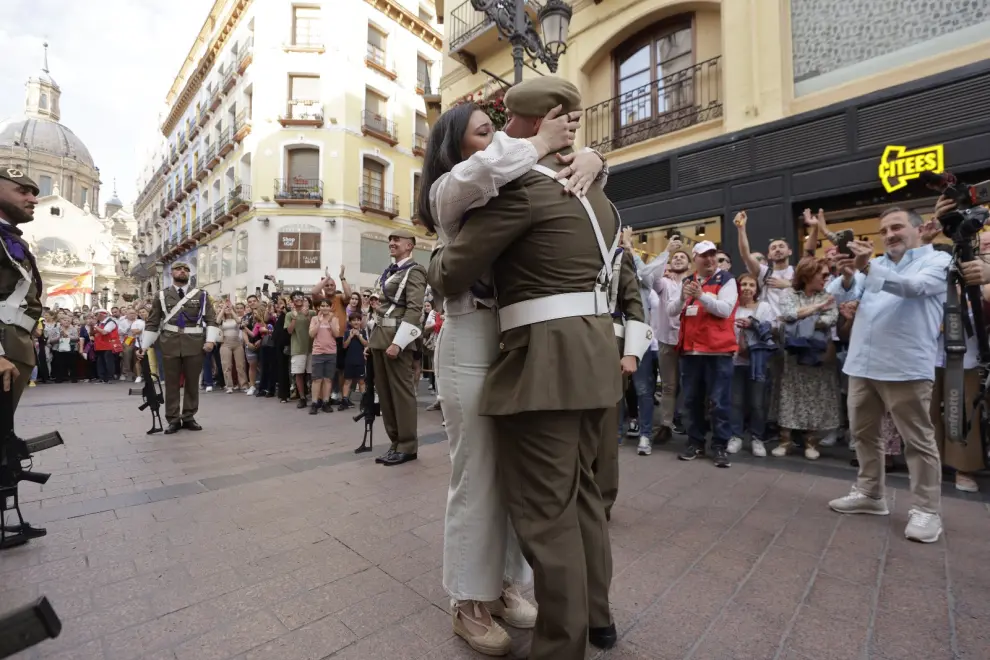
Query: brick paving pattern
{"type": "Point", "coordinates": [265, 537]}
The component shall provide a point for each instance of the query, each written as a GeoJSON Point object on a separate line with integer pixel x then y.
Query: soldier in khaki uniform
{"type": "Point", "coordinates": [401, 289]}
{"type": "Point", "coordinates": [178, 315]}
{"type": "Point", "coordinates": [633, 336]}
{"type": "Point", "coordinates": [20, 309]}
{"type": "Point", "coordinates": [556, 376]}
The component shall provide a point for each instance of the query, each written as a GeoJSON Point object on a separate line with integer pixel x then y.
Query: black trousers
{"type": "Point", "coordinates": [105, 366]}
{"type": "Point", "coordinates": [282, 365]}
{"type": "Point", "coordinates": [269, 369]}
{"type": "Point", "coordinates": [64, 366]}
{"type": "Point", "coordinates": [42, 363]}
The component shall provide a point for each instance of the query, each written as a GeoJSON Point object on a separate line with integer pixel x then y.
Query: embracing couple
{"type": "Point", "coordinates": [527, 367]}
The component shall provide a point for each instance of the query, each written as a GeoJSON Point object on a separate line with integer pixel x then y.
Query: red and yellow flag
{"type": "Point", "coordinates": [82, 283]}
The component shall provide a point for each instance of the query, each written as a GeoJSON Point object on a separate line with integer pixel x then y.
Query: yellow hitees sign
{"type": "Point", "coordinates": [898, 165]}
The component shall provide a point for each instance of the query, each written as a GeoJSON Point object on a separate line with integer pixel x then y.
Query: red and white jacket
{"type": "Point", "coordinates": [708, 322]}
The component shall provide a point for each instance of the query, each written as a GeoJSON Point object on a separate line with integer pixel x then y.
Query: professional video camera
{"type": "Point", "coordinates": [962, 225]}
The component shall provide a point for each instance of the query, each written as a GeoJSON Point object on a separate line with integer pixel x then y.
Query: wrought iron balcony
{"type": "Point", "coordinates": [215, 100]}
{"type": "Point", "coordinates": [229, 79]}
{"type": "Point", "coordinates": [180, 194]}
{"type": "Point", "coordinates": [245, 55]}
{"type": "Point", "coordinates": [298, 191]}
{"type": "Point", "coordinates": [182, 142]}
{"type": "Point", "coordinates": [419, 144]}
{"type": "Point", "coordinates": [302, 112]}
{"type": "Point", "coordinates": [375, 200]}
{"type": "Point", "coordinates": [465, 22]}
{"type": "Point", "coordinates": [225, 141]}
{"type": "Point", "coordinates": [375, 59]}
{"type": "Point", "coordinates": [376, 125]}
{"type": "Point", "coordinates": [194, 125]}
{"type": "Point", "coordinates": [667, 105]}
{"type": "Point", "coordinates": [242, 125]}
{"type": "Point", "coordinates": [173, 155]}
{"type": "Point", "coordinates": [162, 211]}
{"type": "Point", "coordinates": [239, 199]}
{"type": "Point", "coordinates": [204, 221]}
{"type": "Point", "coordinates": [201, 170]}
{"type": "Point", "coordinates": [220, 213]}
{"type": "Point", "coordinates": [170, 201]}
{"type": "Point", "coordinates": [188, 181]}
{"type": "Point", "coordinates": [211, 159]}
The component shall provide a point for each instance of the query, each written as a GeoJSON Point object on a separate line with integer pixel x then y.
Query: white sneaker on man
{"type": "Point", "coordinates": [923, 527]}
{"type": "Point", "coordinates": [645, 447]}
{"type": "Point", "coordinates": [229, 390]}
{"type": "Point", "coordinates": [250, 391]}
{"type": "Point", "coordinates": [758, 449]}
{"type": "Point", "coordinates": [139, 379]}
{"type": "Point", "coordinates": [735, 444]}
{"type": "Point", "coordinates": [209, 388]}
{"type": "Point", "coordinates": [857, 502]}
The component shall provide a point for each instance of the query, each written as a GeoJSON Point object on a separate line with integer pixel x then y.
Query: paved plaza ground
{"type": "Point", "coordinates": [265, 537]}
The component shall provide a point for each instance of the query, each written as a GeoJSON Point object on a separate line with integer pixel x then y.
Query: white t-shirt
{"type": "Point", "coordinates": [769, 294]}
{"type": "Point", "coordinates": [761, 313]}
{"type": "Point", "coordinates": [137, 326]}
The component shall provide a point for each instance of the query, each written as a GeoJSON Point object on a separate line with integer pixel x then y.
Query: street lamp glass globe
{"type": "Point", "coordinates": [555, 20]}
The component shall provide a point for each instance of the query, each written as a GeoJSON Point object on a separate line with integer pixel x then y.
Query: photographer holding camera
{"type": "Point", "coordinates": [891, 362]}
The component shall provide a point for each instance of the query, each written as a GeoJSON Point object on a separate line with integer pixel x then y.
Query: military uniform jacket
{"type": "Point", "coordinates": [405, 306]}
{"type": "Point", "coordinates": [538, 242]}
{"type": "Point", "coordinates": [181, 344]}
{"type": "Point", "coordinates": [629, 304]}
{"type": "Point", "coordinates": [17, 340]}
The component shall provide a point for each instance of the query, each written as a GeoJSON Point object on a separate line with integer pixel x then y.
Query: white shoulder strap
{"type": "Point", "coordinates": [546, 171]}
{"type": "Point", "coordinates": [398, 291]}
{"type": "Point", "coordinates": [175, 310]}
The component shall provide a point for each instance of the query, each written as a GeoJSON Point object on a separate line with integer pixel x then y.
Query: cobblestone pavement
{"type": "Point", "coordinates": [264, 536]}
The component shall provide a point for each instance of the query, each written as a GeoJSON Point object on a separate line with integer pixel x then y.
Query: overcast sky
{"type": "Point", "coordinates": [114, 61]}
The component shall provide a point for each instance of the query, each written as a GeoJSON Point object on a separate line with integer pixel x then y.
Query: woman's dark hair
{"type": "Point", "coordinates": [443, 151]}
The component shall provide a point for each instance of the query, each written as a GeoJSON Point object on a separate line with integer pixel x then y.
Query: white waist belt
{"type": "Point", "coordinates": [549, 308]}
{"type": "Point", "coordinates": [388, 323]}
{"type": "Point", "coordinates": [620, 330]}
{"type": "Point", "coordinates": [194, 330]}
{"type": "Point", "coordinates": [17, 316]}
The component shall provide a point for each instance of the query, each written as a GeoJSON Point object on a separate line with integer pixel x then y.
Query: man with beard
{"type": "Point", "coordinates": [179, 316]}
{"type": "Point", "coordinates": [402, 288]}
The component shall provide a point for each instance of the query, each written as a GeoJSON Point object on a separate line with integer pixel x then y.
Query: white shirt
{"type": "Point", "coordinates": [666, 328]}
{"type": "Point", "coordinates": [137, 326]}
{"type": "Point", "coordinates": [771, 295]}
{"type": "Point", "coordinates": [656, 312]}
{"type": "Point", "coordinates": [123, 325]}
{"type": "Point", "coordinates": [720, 305]}
{"type": "Point", "coordinates": [761, 313]}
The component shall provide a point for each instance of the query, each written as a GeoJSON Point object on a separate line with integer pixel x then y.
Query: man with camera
{"type": "Point", "coordinates": [891, 364]}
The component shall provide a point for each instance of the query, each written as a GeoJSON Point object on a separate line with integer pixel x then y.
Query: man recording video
{"type": "Point", "coordinates": [891, 362]}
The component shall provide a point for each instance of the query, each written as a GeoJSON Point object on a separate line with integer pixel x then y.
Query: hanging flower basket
{"type": "Point", "coordinates": [493, 107]}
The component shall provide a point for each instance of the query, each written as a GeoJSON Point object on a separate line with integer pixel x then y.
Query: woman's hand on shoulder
{"type": "Point", "coordinates": [582, 168]}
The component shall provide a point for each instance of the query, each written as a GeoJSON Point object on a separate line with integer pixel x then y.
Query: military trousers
{"type": "Point", "coordinates": [606, 465]}
{"type": "Point", "coordinates": [545, 463]}
{"type": "Point", "coordinates": [189, 366]}
{"type": "Point", "coordinates": [19, 384]}
{"type": "Point", "coordinates": [397, 397]}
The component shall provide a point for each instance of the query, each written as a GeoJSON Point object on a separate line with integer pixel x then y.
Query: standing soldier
{"type": "Point", "coordinates": [20, 310]}
{"type": "Point", "coordinates": [402, 288]}
{"type": "Point", "coordinates": [179, 316]}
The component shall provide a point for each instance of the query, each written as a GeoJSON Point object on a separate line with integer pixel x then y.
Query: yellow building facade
{"type": "Point", "coordinates": [291, 143]}
{"type": "Point", "coordinates": [703, 108]}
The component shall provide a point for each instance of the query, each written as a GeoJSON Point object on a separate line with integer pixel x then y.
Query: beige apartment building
{"type": "Point", "coordinates": [705, 108]}
{"type": "Point", "coordinates": [291, 142]}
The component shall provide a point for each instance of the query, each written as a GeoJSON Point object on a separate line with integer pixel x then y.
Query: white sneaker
{"type": "Point", "coordinates": [209, 388]}
{"type": "Point", "coordinates": [857, 502]}
{"type": "Point", "coordinates": [645, 446]}
{"type": "Point", "coordinates": [756, 446]}
{"type": "Point", "coordinates": [229, 390]}
{"type": "Point", "coordinates": [923, 527]}
{"type": "Point", "coordinates": [780, 450]}
{"type": "Point", "coordinates": [735, 444]}
{"type": "Point", "coordinates": [811, 453]}
{"type": "Point", "coordinates": [250, 391]}
{"type": "Point", "coordinates": [830, 439]}
{"type": "Point", "coordinates": [139, 379]}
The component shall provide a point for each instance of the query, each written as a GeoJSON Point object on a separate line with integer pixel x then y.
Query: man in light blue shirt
{"type": "Point", "coordinates": [891, 364]}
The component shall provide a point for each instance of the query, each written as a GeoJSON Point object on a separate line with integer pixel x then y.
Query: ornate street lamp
{"type": "Point", "coordinates": [106, 297]}
{"type": "Point", "coordinates": [514, 24]}
{"type": "Point", "coordinates": [124, 263]}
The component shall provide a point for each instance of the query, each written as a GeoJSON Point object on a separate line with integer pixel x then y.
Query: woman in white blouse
{"type": "Point", "coordinates": [466, 163]}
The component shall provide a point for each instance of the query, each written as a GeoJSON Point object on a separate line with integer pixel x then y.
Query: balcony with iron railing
{"type": "Point", "coordinates": [677, 101]}
{"type": "Point", "coordinates": [225, 141]}
{"type": "Point", "coordinates": [170, 201]}
{"type": "Point", "coordinates": [245, 55]}
{"type": "Point", "coordinates": [378, 126]}
{"type": "Point", "coordinates": [471, 35]}
{"type": "Point", "coordinates": [229, 78]}
{"type": "Point", "coordinates": [166, 166]}
{"type": "Point", "coordinates": [375, 200]}
{"type": "Point", "coordinates": [423, 86]}
{"type": "Point", "coordinates": [180, 194]}
{"type": "Point", "coordinates": [202, 171]}
{"type": "Point", "coordinates": [220, 212]}
{"type": "Point", "coordinates": [239, 199]}
{"type": "Point", "coordinates": [302, 112]}
{"type": "Point", "coordinates": [215, 100]}
{"type": "Point", "coordinates": [194, 125]}
{"type": "Point", "coordinates": [173, 155]}
{"type": "Point", "coordinates": [182, 142]}
{"type": "Point", "coordinates": [299, 191]}
{"type": "Point", "coordinates": [375, 59]}
{"type": "Point", "coordinates": [203, 222]}
{"type": "Point", "coordinates": [242, 125]}
{"type": "Point", "coordinates": [419, 145]}
{"type": "Point", "coordinates": [211, 158]}
{"type": "Point", "coordinates": [162, 211]}
{"type": "Point", "coordinates": [189, 181]}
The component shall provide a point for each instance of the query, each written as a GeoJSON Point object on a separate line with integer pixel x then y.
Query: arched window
{"type": "Point", "coordinates": [43, 101]}
{"type": "Point", "coordinates": [227, 261]}
{"type": "Point", "coordinates": [241, 253]}
{"type": "Point", "coordinates": [653, 72]}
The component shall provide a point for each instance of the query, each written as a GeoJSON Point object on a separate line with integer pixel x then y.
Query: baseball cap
{"type": "Point", "coordinates": [703, 247]}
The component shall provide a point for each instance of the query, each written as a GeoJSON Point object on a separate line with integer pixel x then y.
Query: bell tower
{"type": "Point", "coordinates": [43, 94]}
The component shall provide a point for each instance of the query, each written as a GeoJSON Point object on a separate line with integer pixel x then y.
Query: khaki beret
{"type": "Point", "coordinates": [19, 177]}
{"type": "Point", "coordinates": [538, 96]}
{"type": "Point", "coordinates": [180, 264]}
{"type": "Point", "coordinates": [402, 233]}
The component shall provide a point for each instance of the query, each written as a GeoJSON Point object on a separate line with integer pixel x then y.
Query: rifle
{"type": "Point", "coordinates": [152, 394]}
{"type": "Point", "coordinates": [369, 407]}
{"type": "Point", "coordinates": [28, 625]}
{"type": "Point", "coordinates": [13, 451]}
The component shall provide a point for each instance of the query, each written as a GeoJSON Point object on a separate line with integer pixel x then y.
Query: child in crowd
{"type": "Point", "coordinates": [355, 342]}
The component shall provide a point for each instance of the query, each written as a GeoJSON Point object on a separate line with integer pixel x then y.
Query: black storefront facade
{"type": "Point", "coordinates": [828, 158]}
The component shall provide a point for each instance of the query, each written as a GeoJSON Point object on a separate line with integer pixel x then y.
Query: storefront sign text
{"type": "Point", "coordinates": [898, 165]}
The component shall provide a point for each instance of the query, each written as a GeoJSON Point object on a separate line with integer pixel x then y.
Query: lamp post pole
{"type": "Point", "coordinates": [518, 39]}
{"type": "Point", "coordinates": [514, 24]}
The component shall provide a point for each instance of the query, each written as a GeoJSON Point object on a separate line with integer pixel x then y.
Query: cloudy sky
{"type": "Point", "coordinates": [114, 61]}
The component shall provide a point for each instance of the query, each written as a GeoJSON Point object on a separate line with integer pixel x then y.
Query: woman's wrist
{"type": "Point", "coordinates": [542, 149]}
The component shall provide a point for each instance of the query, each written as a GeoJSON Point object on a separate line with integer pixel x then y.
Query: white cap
{"type": "Point", "coordinates": [703, 247]}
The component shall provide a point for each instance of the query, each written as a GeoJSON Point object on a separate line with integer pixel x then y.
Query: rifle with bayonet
{"type": "Point", "coordinates": [13, 453]}
{"type": "Point", "coordinates": [151, 392]}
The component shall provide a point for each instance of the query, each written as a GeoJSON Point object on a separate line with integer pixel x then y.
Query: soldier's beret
{"type": "Point", "coordinates": [538, 96]}
{"type": "Point", "coordinates": [180, 264]}
{"type": "Point", "coordinates": [402, 233]}
{"type": "Point", "coordinates": [19, 177]}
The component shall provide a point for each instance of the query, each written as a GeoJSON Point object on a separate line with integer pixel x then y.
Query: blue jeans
{"type": "Point", "coordinates": [707, 378]}
{"type": "Point", "coordinates": [645, 383]}
{"type": "Point", "coordinates": [748, 409]}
